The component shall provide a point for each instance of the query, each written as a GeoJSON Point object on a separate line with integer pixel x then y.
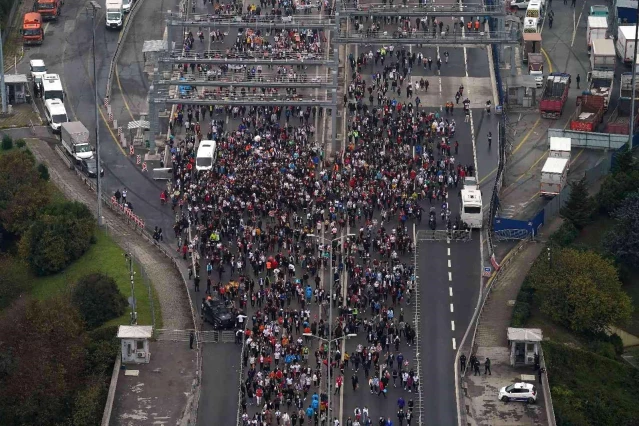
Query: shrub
{"type": "Point", "coordinates": [60, 235]}
{"type": "Point", "coordinates": [565, 235]}
{"type": "Point", "coordinates": [7, 143]}
{"type": "Point", "coordinates": [43, 171]}
{"type": "Point", "coordinates": [21, 143]}
{"type": "Point", "coordinates": [98, 299]}
{"type": "Point", "coordinates": [89, 403]}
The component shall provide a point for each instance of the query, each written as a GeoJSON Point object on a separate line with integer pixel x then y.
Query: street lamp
{"type": "Point", "coordinates": [328, 356]}
{"type": "Point", "coordinates": [330, 309]}
{"type": "Point", "coordinates": [94, 7]}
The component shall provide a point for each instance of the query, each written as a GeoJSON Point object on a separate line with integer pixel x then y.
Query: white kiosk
{"type": "Point", "coordinates": [135, 343]}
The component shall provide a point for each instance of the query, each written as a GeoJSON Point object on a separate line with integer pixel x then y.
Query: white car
{"type": "Point", "coordinates": [38, 69]}
{"type": "Point", "coordinates": [518, 392]}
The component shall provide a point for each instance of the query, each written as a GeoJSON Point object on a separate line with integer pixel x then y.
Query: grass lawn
{"type": "Point", "coordinates": [107, 257]}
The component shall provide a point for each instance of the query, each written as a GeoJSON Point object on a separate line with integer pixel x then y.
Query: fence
{"type": "Point", "coordinates": [213, 336]}
{"type": "Point", "coordinates": [444, 235]}
{"type": "Point", "coordinates": [593, 140]}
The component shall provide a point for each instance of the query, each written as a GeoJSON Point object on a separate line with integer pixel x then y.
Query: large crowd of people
{"type": "Point", "coordinates": [285, 231]}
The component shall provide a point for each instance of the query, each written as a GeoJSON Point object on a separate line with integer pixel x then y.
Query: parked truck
{"type": "Point", "coordinates": [619, 122]}
{"type": "Point", "coordinates": [532, 44]}
{"type": "Point", "coordinates": [600, 83]}
{"type": "Point", "coordinates": [589, 113]}
{"type": "Point", "coordinates": [49, 9]}
{"type": "Point", "coordinates": [597, 28]}
{"type": "Point", "coordinates": [75, 141]}
{"type": "Point", "coordinates": [536, 68]}
{"type": "Point", "coordinates": [554, 175]}
{"type": "Point", "coordinates": [625, 89]}
{"type": "Point", "coordinates": [603, 55]}
{"type": "Point", "coordinates": [625, 45]}
{"type": "Point", "coordinates": [32, 31]}
{"type": "Point", "coordinates": [560, 147]}
{"type": "Point", "coordinates": [554, 95]}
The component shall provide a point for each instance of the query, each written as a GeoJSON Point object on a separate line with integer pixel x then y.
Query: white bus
{"type": "Point", "coordinates": [52, 87]}
{"type": "Point", "coordinates": [472, 213]}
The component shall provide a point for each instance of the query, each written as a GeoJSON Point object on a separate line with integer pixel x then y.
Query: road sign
{"type": "Point", "coordinates": [138, 159]}
{"type": "Point", "coordinates": [487, 271]}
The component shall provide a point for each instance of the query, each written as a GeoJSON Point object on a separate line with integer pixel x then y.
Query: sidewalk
{"type": "Point", "coordinates": [165, 385]}
{"type": "Point", "coordinates": [492, 343]}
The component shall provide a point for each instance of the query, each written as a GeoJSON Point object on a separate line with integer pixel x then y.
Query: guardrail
{"type": "Point", "coordinates": [419, 10]}
{"type": "Point", "coordinates": [108, 408]}
{"type": "Point", "coordinates": [443, 235]}
{"type": "Point", "coordinates": [467, 38]}
{"type": "Point", "coordinates": [545, 384]}
{"type": "Point", "coordinates": [116, 55]}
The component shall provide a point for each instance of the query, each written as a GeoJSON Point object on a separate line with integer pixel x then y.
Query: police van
{"type": "Point", "coordinates": [205, 157]}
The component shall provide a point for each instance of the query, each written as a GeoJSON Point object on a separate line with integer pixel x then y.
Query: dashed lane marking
{"type": "Point", "coordinates": [449, 263]}
{"type": "Point", "coordinates": [450, 276]}
{"type": "Point", "coordinates": [452, 325]}
{"type": "Point", "coordinates": [454, 344]}
{"type": "Point", "coordinates": [449, 251]}
{"type": "Point", "coordinates": [451, 308]}
{"type": "Point", "coordinates": [450, 291]}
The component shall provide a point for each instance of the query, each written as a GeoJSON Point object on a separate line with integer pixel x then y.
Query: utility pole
{"type": "Point", "coordinates": [94, 7]}
{"type": "Point", "coordinates": [132, 302]}
{"type": "Point", "coordinates": [634, 82]}
{"type": "Point", "coordinates": [3, 88]}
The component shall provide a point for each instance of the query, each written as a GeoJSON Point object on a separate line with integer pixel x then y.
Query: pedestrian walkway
{"type": "Point", "coordinates": [443, 89]}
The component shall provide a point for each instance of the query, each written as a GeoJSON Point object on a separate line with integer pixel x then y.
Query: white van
{"type": "Point", "coordinates": [114, 14]}
{"type": "Point", "coordinates": [206, 154]}
{"type": "Point", "coordinates": [55, 113]}
{"type": "Point", "coordinates": [126, 5]}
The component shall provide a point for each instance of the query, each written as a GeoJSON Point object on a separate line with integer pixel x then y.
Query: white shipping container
{"type": "Point", "coordinates": [597, 28]}
{"type": "Point", "coordinates": [560, 147]}
{"type": "Point", "coordinates": [553, 176]}
{"type": "Point", "coordinates": [625, 45]}
{"type": "Point", "coordinates": [603, 57]}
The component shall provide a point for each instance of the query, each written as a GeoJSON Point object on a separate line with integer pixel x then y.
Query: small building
{"type": "Point", "coordinates": [521, 90]}
{"type": "Point", "coordinates": [151, 51]}
{"type": "Point", "coordinates": [135, 343]}
{"type": "Point", "coordinates": [17, 88]}
{"type": "Point", "coordinates": [524, 345]}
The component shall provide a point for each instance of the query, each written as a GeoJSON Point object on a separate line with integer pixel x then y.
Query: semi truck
{"type": "Point", "coordinates": [619, 122]}
{"type": "Point", "coordinates": [625, 45]}
{"type": "Point", "coordinates": [625, 89]}
{"type": "Point", "coordinates": [75, 141]}
{"type": "Point", "coordinates": [49, 9]}
{"type": "Point", "coordinates": [532, 44]}
{"type": "Point", "coordinates": [600, 83]}
{"type": "Point", "coordinates": [603, 55]}
{"type": "Point", "coordinates": [554, 95]}
{"type": "Point", "coordinates": [32, 31]}
{"type": "Point", "coordinates": [536, 68]}
{"type": "Point", "coordinates": [597, 28]}
{"type": "Point", "coordinates": [589, 113]}
{"type": "Point", "coordinates": [554, 175]}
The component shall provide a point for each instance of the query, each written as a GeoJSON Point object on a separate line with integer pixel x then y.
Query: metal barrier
{"type": "Point", "coordinates": [443, 235]}
{"type": "Point", "coordinates": [511, 234]}
{"type": "Point", "coordinates": [419, 404]}
{"type": "Point", "coordinates": [590, 140]}
{"type": "Point", "coordinates": [201, 337]}
{"type": "Point", "coordinates": [108, 408]}
{"type": "Point", "coordinates": [545, 384]}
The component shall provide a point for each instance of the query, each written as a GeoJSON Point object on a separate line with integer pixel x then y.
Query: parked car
{"type": "Point", "coordinates": [89, 167]}
{"type": "Point", "coordinates": [518, 392]}
{"type": "Point", "coordinates": [218, 315]}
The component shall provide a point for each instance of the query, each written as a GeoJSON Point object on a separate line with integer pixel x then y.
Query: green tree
{"type": "Point", "coordinates": [581, 290]}
{"type": "Point", "coordinates": [615, 188]}
{"type": "Point", "coordinates": [42, 361]}
{"type": "Point", "coordinates": [12, 280]}
{"type": "Point", "coordinates": [89, 403]}
{"type": "Point", "coordinates": [579, 208]}
{"type": "Point", "coordinates": [23, 193]}
{"type": "Point", "coordinates": [43, 171]}
{"type": "Point", "coordinates": [60, 235]}
{"type": "Point", "coordinates": [7, 143]}
{"type": "Point", "coordinates": [98, 299]}
{"type": "Point", "coordinates": [623, 241]}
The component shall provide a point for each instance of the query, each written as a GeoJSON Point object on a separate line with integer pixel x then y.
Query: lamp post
{"type": "Point", "coordinates": [330, 310]}
{"type": "Point", "coordinates": [329, 376]}
{"type": "Point", "coordinates": [94, 7]}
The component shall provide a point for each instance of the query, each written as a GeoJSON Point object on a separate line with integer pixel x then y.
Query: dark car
{"type": "Point", "coordinates": [89, 167]}
{"type": "Point", "coordinates": [215, 312]}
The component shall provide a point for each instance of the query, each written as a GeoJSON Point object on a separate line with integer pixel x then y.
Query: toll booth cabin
{"type": "Point", "coordinates": [17, 88]}
{"type": "Point", "coordinates": [521, 91]}
{"type": "Point", "coordinates": [524, 345]}
{"type": "Point", "coordinates": [135, 343]}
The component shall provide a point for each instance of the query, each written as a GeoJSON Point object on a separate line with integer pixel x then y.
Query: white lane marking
{"type": "Point", "coordinates": [576, 22]}
{"type": "Point", "coordinates": [450, 276]}
{"type": "Point", "coordinates": [449, 263]}
{"type": "Point", "coordinates": [452, 325]}
{"type": "Point", "coordinates": [450, 291]}
{"type": "Point", "coordinates": [449, 251]}
{"type": "Point", "coordinates": [451, 308]}
{"type": "Point", "coordinates": [454, 344]}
